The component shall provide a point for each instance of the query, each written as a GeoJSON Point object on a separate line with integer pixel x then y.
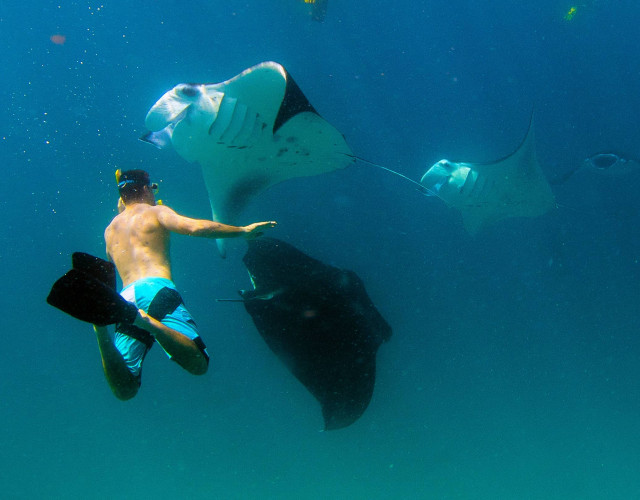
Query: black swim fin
{"type": "Point", "coordinates": [85, 293]}
{"type": "Point", "coordinates": [100, 269]}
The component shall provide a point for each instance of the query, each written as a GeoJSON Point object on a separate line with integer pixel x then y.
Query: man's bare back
{"type": "Point", "coordinates": [138, 244]}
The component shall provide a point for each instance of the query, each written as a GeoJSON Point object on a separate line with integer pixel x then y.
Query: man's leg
{"type": "Point", "coordinates": [182, 349]}
{"type": "Point", "coordinates": [123, 383]}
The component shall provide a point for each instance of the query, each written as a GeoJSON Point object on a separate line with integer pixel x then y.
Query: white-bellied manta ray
{"type": "Point", "coordinates": [485, 193]}
{"type": "Point", "coordinates": [247, 133]}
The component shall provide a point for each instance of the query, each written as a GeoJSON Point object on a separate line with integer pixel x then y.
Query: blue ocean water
{"type": "Point", "coordinates": [514, 367]}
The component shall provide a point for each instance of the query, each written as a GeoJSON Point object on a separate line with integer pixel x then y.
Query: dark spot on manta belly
{"type": "Point", "coordinates": [245, 189]}
{"type": "Point", "coordinates": [189, 90]}
{"type": "Point", "coordinates": [281, 152]}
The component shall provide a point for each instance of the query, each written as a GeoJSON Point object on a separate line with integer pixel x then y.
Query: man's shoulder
{"type": "Point", "coordinates": [160, 210]}
{"type": "Point", "coordinates": [150, 214]}
{"type": "Point", "coordinates": [111, 224]}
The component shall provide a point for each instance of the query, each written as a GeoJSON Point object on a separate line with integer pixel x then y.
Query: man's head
{"type": "Point", "coordinates": [135, 187]}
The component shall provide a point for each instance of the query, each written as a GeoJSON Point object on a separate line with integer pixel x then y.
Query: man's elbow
{"type": "Point", "coordinates": [196, 365]}
{"type": "Point", "coordinates": [198, 231]}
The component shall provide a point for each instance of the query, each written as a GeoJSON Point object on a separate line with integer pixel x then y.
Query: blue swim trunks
{"type": "Point", "coordinates": [159, 298]}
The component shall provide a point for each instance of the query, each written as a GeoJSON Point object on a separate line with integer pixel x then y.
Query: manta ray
{"type": "Point", "coordinates": [603, 165]}
{"type": "Point", "coordinates": [247, 133]}
{"type": "Point", "coordinates": [485, 193]}
{"type": "Point", "coordinates": [320, 322]}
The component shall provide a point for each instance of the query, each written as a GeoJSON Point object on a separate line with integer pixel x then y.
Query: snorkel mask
{"type": "Point", "coordinates": [122, 183]}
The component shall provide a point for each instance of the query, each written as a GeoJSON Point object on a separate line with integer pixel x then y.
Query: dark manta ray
{"type": "Point", "coordinates": [320, 322]}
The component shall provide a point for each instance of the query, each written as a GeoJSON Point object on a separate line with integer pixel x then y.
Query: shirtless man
{"type": "Point", "coordinates": [138, 244]}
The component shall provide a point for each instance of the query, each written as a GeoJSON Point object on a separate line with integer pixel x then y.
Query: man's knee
{"type": "Point", "coordinates": [199, 366]}
{"type": "Point", "coordinates": [124, 393]}
{"type": "Point", "coordinates": [202, 364]}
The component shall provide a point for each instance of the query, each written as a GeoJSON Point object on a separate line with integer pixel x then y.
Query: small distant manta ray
{"type": "Point", "coordinates": [606, 164]}
{"type": "Point", "coordinates": [320, 322]}
{"type": "Point", "coordinates": [485, 193]}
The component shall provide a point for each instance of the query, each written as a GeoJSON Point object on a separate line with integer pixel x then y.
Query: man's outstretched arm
{"type": "Point", "coordinates": [180, 224]}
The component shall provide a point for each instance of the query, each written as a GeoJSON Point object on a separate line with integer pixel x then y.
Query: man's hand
{"type": "Point", "coordinates": [256, 229]}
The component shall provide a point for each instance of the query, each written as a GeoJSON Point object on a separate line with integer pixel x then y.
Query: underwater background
{"type": "Point", "coordinates": [514, 366]}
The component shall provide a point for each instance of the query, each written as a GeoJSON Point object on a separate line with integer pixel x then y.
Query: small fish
{"type": "Point", "coordinates": [569, 15]}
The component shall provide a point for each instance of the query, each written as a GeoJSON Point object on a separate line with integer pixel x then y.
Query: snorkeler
{"type": "Point", "coordinates": [149, 308]}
